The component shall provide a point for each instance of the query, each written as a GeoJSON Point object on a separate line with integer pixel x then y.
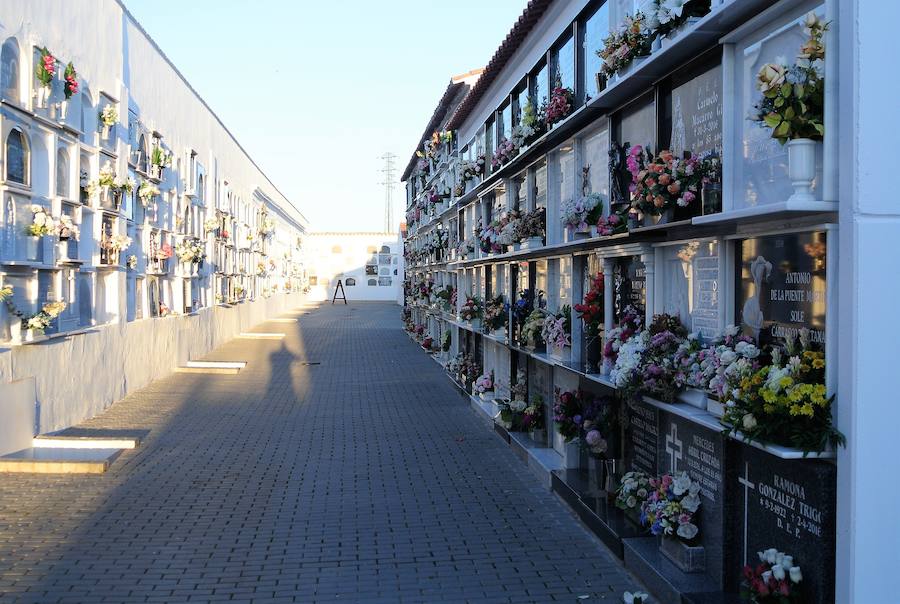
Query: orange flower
{"type": "Point", "coordinates": [664, 179]}
{"type": "Point", "coordinates": [674, 188]}
{"type": "Point", "coordinates": [658, 201]}
{"type": "Point", "coordinates": [666, 155]}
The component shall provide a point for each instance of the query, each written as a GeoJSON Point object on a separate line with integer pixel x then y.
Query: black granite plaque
{"type": "Point", "coordinates": [685, 446]}
{"type": "Point", "coordinates": [788, 505]}
{"type": "Point", "coordinates": [630, 285]}
{"type": "Point", "coordinates": [697, 114]}
{"type": "Point", "coordinates": [781, 287]}
{"type": "Point", "coordinates": [641, 438]}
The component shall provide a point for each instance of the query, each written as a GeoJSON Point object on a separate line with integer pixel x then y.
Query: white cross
{"type": "Point", "coordinates": [745, 480]}
{"type": "Point", "coordinates": [674, 448]}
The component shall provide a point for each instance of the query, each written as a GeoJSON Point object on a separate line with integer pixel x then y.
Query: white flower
{"type": "Point", "coordinates": [787, 561]}
{"type": "Point", "coordinates": [728, 357]}
{"type": "Point", "coordinates": [778, 571]}
{"type": "Point", "coordinates": [796, 575]}
{"type": "Point", "coordinates": [687, 530]}
{"type": "Point", "coordinates": [518, 406]}
{"type": "Point", "coordinates": [751, 351]}
{"type": "Point", "coordinates": [36, 208]}
{"type": "Point", "coordinates": [770, 555]}
{"type": "Point", "coordinates": [693, 336]}
{"type": "Point", "coordinates": [681, 484]}
{"type": "Point", "coordinates": [749, 422]}
{"type": "Point", "coordinates": [762, 556]}
{"type": "Point", "coordinates": [691, 503]}
{"type": "Point", "coordinates": [732, 330]}
{"type": "Point", "coordinates": [631, 502]}
{"type": "Point", "coordinates": [637, 597]}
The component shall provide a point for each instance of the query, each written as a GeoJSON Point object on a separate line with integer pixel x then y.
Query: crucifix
{"type": "Point", "coordinates": [674, 447]}
{"type": "Point", "coordinates": [745, 480]}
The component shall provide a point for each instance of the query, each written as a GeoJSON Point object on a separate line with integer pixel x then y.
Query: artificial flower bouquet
{"type": "Point", "coordinates": [775, 580]}
{"type": "Point", "coordinates": [147, 191]}
{"type": "Point", "coordinates": [511, 413]}
{"type": "Point", "coordinates": [445, 296]}
{"type": "Point", "coordinates": [664, 181]}
{"type": "Point", "coordinates": [116, 243]}
{"type": "Point", "coordinates": [66, 228]}
{"type": "Point", "coordinates": [109, 115]}
{"type": "Point", "coordinates": [785, 402]}
{"type": "Point", "coordinates": [631, 323]}
{"type": "Point", "coordinates": [591, 309]}
{"type": "Point", "coordinates": [793, 101]}
{"type": "Point", "coordinates": [40, 321]}
{"type": "Point", "coordinates": [46, 68]}
{"type": "Point", "coordinates": [613, 224]}
{"type": "Point", "coordinates": [484, 384]}
{"type": "Point", "coordinates": [533, 224]}
{"type": "Point", "coordinates": [567, 414]}
{"type": "Point", "coordinates": [597, 426]}
{"type": "Point", "coordinates": [533, 121]}
{"type": "Point", "coordinates": [506, 150]}
{"type": "Point", "coordinates": [445, 341]}
{"type": "Point", "coordinates": [519, 390]}
{"type": "Point", "coordinates": [41, 222]}
{"type": "Point", "coordinates": [633, 490]}
{"type": "Point", "coordinates": [629, 40]}
{"type": "Point", "coordinates": [192, 251]}
{"type": "Point", "coordinates": [508, 228]}
{"type": "Point", "coordinates": [557, 328]}
{"type": "Point", "coordinates": [578, 214]}
{"type": "Point", "coordinates": [471, 309]}
{"type": "Point", "coordinates": [496, 312]}
{"type": "Point", "coordinates": [70, 81]}
{"type": "Point", "coordinates": [665, 16]}
{"type": "Point", "coordinates": [671, 505]}
{"type": "Point", "coordinates": [657, 372]}
{"type": "Point", "coordinates": [533, 414]}
{"type": "Point", "coordinates": [562, 101]}
{"type": "Point", "coordinates": [531, 331]}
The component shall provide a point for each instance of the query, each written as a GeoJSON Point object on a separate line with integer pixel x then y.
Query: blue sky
{"type": "Point", "coordinates": [318, 91]}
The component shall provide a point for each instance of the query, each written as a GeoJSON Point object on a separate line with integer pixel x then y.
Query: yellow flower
{"type": "Point", "coordinates": [818, 364]}
{"type": "Point", "coordinates": [770, 76]}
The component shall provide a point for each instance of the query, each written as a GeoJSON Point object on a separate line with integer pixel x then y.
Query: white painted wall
{"type": "Point", "coordinates": [328, 266]}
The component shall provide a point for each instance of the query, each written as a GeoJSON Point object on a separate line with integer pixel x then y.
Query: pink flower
{"type": "Point", "coordinates": [689, 197]}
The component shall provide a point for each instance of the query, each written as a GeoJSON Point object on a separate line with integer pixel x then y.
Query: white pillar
{"type": "Point", "coordinates": [868, 406]}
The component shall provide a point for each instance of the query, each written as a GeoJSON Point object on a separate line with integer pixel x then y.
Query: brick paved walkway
{"type": "Point", "coordinates": [364, 479]}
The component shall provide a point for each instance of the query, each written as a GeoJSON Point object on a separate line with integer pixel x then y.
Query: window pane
{"type": "Point", "coordinates": [62, 173]}
{"type": "Point", "coordinates": [15, 157]}
{"type": "Point", "coordinates": [565, 65]}
{"type": "Point", "coordinates": [540, 185]}
{"type": "Point", "coordinates": [539, 86]}
{"type": "Point", "coordinates": [595, 29]}
{"type": "Point", "coordinates": [9, 71]}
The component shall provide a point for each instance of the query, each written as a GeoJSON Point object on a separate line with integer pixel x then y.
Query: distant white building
{"type": "Point", "coordinates": [369, 265]}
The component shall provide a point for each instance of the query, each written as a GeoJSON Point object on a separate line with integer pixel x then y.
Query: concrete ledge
{"type": "Point", "coordinates": [260, 335]}
{"type": "Point", "coordinates": [50, 460]}
{"type": "Point", "coordinates": [281, 320]}
{"type": "Point", "coordinates": [209, 370]}
{"type": "Point", "coordinates": [50, 441]}
{"type": "Point", "coordinates": [216, 364]}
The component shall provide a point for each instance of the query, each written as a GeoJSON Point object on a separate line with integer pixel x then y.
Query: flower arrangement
{"type": "Point", "coordinates": [665, 182]}
{"type": "Point", "coordinates": [630, 324]}
{"type": "Point", "coordinates": [466, 170]}
{"type": "Point", "coordinates": [160, 157]}
{"type": "Point", "coordinates": [70, 81]}
{"type": "Point", "coordinates": [510, 225]}
{"type": "Point", "coordinates": [562, 100]}
{"type": "Point", "coordinates": [629, 40]}
{"type": "Point", "coordinates": [131, 262]}
{"type": "Point", "coordinates": [511, 413]}
{"type": "Point", "coordinates": [267, 227]}
{"type": "Point", "coordinates": [633, 491]}
{"type": "Point", "coordinates": [557, 328]}
{"type": "Point", "coordinates": [42, 320]}
{"type": "Point", "coordinates": [147, 191]}
{"type": "Point", "coordinates": [519, 390]}
{"type": "Point", "coordinates": [591, 309]}
{"type": "Point", "coordinates": [567, 414]}
{"type": "Point", "coordinates": [164, 252]}
{"type": "Point", "coordinates": [774, 580]}
{"type": "Point", "coordinates": [657, 374]}
{"type": "Point", "coordinates": [471, 309]}
{"type": "Point", "coordinates": [107, 176]}
{"type": "Point", "coordinates": [629, 355]}
{"type": "Point", "coordinates": [116, 243]}
{"type": "Point", "coordinates": [664, 16]}
{"type": "Point", "coordinates": [533, 122]}
{"type": "Point", "coordinates": [533, 328]}
{"type": "Point", "coordinates": [506, 150]}
{"type": "Point", "coordinates": [638, 597]}
{"type": "Point", "coordinates": [109, 115]}
{"type": "Point", "coordinates": [191, 250]}
{"type": "Point", "coordinates": [786, 402]}
{"type": "Point", "coordinates": [210, 225]}
{"type": "Point", "coordinates": [41, 222]}
{"type": "Point", "coordinates": [488, 237]}
{"type": "Point", "coordinates": [125, 186]}
{"type": "Point", "coordinates": [671, 505]}
{"type": "Point", "coordinates": [6, 293]}
{"type": "Point", "coordinates": [533, 414]}
{"type": "Point", "coordinates": [496, 311]}
{"type": "Point", "coordinates": [66, 228]}
{"type": "Point", "coordinates": [580, 213]}
{"type": "Point", "coordinates": [613, 224]}
{"type": "Point", "coordinates": [445, 295]}
{"type": "Point", "coordinates": [46, 68]}
{"type": "Point", "coordinates": [532, 224]}
{"type": "Point", "coordinates": [484, 383]}
{"type": "Point", "coordinates": [427, 342]}
{"type": "Point", "coordinates": [597, 426]}
{"type": "Point", "coordinates": [793, 101]}
{"type": "Point", "coordinates": [522, 307]}
{"type": "Point", "coordinates": [445, 341]}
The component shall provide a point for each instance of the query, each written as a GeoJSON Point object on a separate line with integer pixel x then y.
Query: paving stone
{"type": "Point", "coordinates": [366, 478]}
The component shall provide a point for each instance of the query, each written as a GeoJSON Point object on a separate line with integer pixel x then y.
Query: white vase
{"type": "Point", "coordinates": [532, 243]}
{"type": "Point", "coordinates": [31, 334]}
{"type": "Point", "coordinates": [33, 249]}
{"type": "Point", "coordinates": [693, 397]}
{"type": "Point", "coordinates": [802, 168]}
{"type": "Point", "coordinates": [62, 249]}
{"type": "Point", "coordinates": [714, 407]}
{"type": "Point", "coordinates": [63, 109]}
{"type": "Point", "coordinates": [15, 330]}
{"type": "Point", "coordinates": [104, 132]}
{"type": "Point", "coordinates": [43, 95]}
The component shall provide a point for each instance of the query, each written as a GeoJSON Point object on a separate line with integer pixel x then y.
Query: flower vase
{"type": "Point", "coordinates": [802, 168]}
{"type": "Point", "coordinates": [516, 246]}
{"type": "Point", "coordinates": [62, 248]}
{"type": "Point", "coordinates": [499, 333]}
{"type": "Point", "coordinates": [633, 65]}
{"type": "Point", "coordinates": [43, 95]}
{"type": "Point", "coordinates": [715, 407]}
{"type": "Point", "coordinates": [711, 196]}
{"type": "Point", "coordinates": [663, 217]}
{"type": "Point", "coordinates": [539, 436]}
{"type": "Point", "coordinates": [63, 109]}
{"type": "Point", "coordinates": [693, 397]}
{"type": "Point", "coordinates": [593, 354]}
{"type": "Point", "coordinates": [33, 249]}
{"type": "Point", "coordinates": [154, 171]}
{"type": "Point", "coordinates": [656, 45]}
{"type": "Point", "coordinates": [31, 334]}
{"type": "Point", "coordinates": [15, 331]}
{"type": "Point", "coordinates": [688, 558]}
{"type": "Point", "coordinates": [581, 232]}
{"type": "Point", "coordinates": [104, 132]}
{"type": "Point", "coordinates": [476, 324]}
{"type": "Point", "coordinates": [532, 243]}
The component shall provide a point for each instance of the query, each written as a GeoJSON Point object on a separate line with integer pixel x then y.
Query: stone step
{"type": "Point", "coordinates": [260, 335]}
{"type": "Point", "coordinates": [220, 367]}
{"type": "Point", "coordinates": [53, 460]}
{"type": "Point", "coordinates": [57, 441]}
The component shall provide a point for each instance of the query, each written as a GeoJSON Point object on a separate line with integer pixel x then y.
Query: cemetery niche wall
{"type": "Point", "coordinates": [659, 282]}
